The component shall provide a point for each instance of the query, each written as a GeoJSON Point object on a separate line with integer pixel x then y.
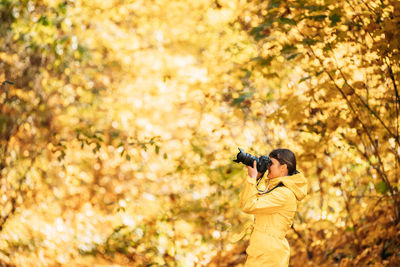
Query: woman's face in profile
{"type": "Point", "coordinates": [276, 169]}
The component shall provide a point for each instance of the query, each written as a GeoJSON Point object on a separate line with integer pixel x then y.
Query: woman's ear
{"type": "Point", "coordinates": [284, 167]}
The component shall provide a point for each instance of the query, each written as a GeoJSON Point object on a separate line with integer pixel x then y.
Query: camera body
{"type": "Point", "coordinates": [263, 162]}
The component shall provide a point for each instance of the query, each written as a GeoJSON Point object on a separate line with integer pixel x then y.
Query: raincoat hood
{"type": "Point", "coordinates": [297, 183]}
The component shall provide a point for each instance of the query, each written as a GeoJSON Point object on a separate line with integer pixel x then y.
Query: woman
{"type": "Point", "coordinates": [273, 209]}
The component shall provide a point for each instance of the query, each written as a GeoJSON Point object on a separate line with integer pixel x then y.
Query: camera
{"type": "Point", "coordinates": [263, 162]}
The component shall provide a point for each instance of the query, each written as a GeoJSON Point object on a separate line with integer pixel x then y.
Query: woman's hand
{"type": "Point", "coordinates": [252, 171]}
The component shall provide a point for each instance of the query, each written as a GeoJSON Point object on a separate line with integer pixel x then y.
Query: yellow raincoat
{"type": "Point", "coordinates": [273, 217]}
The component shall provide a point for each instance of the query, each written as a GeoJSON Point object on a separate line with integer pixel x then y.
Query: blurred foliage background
{"type": "Point", "coordinates": [120, 119]}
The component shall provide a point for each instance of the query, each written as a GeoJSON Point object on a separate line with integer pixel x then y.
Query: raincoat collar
{"type": "Point", "coordinates": [297, 183]}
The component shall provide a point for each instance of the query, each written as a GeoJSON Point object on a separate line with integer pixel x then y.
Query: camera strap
{"type": "Point", "coordinates": [262, 192]}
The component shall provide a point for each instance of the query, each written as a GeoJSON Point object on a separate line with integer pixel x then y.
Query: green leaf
{"type": "Point", "coordinates": [292, 56]}
{"type": "Point", "coordinates": [317, 17]}
{"type": "Point", "coordinates": [64, 39]}
{"type": "Point", "coordinates": [334, 18]}
{"type": "Point", "coordinates": [269, 96]}
{"type": "Point", "coordinates": [349, 229]}
{"type": "Point", "coordinates": [248, 73]}
{"type": "Point", "coordinates": [5, 82]}
{"type": "Point", "coordinates": [263, 61]}
{"type": "Point", "coordinates": [315, 8]}
{"type": "Point", "coordinates": [43, 20]}
{"type": "Point", "coordinates": [241, 98]}
{"type": "Point", "coordinates": [114, 134]}
{"type": "Point", "coordinates": [283, 20]}
{"type": "Point", "coordinates": [258, 32]}
{"type": "Point", "coordinates": [327, 47]}
{"type": "Point", "coordinates": [274, 4]}
{"type": "Point", "coordinates": [157, 149]}
{"type": "Point", "coordinates": [381, 188]}
{"type": "Point", "coordinates": [288, 48]}
{"type": "Point", "coordinates": [289, 51]}
{"type": "Point", "coordinates": [304, 79]}
{"type": "Point", "coordinates": [62, 7]}
{"type": "Point", "coordinates": [309, 41]}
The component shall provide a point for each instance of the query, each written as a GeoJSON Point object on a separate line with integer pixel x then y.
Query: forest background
{"type": "Point", "coordinates": [120, 119]}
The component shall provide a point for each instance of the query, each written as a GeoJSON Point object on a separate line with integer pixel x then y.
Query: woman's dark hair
{"type": "Point", "coordinates": [285, 156]}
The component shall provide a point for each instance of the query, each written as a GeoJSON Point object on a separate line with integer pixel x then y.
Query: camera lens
{"type": "Point", "coordinates": [262, 163]}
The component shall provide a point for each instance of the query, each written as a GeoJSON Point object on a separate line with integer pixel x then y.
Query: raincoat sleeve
{"type": "Point", "coordinates": [251, 202]}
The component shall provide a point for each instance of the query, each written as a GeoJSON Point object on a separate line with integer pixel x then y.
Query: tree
{"type": "Point", "coordinates": [341, 94]}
